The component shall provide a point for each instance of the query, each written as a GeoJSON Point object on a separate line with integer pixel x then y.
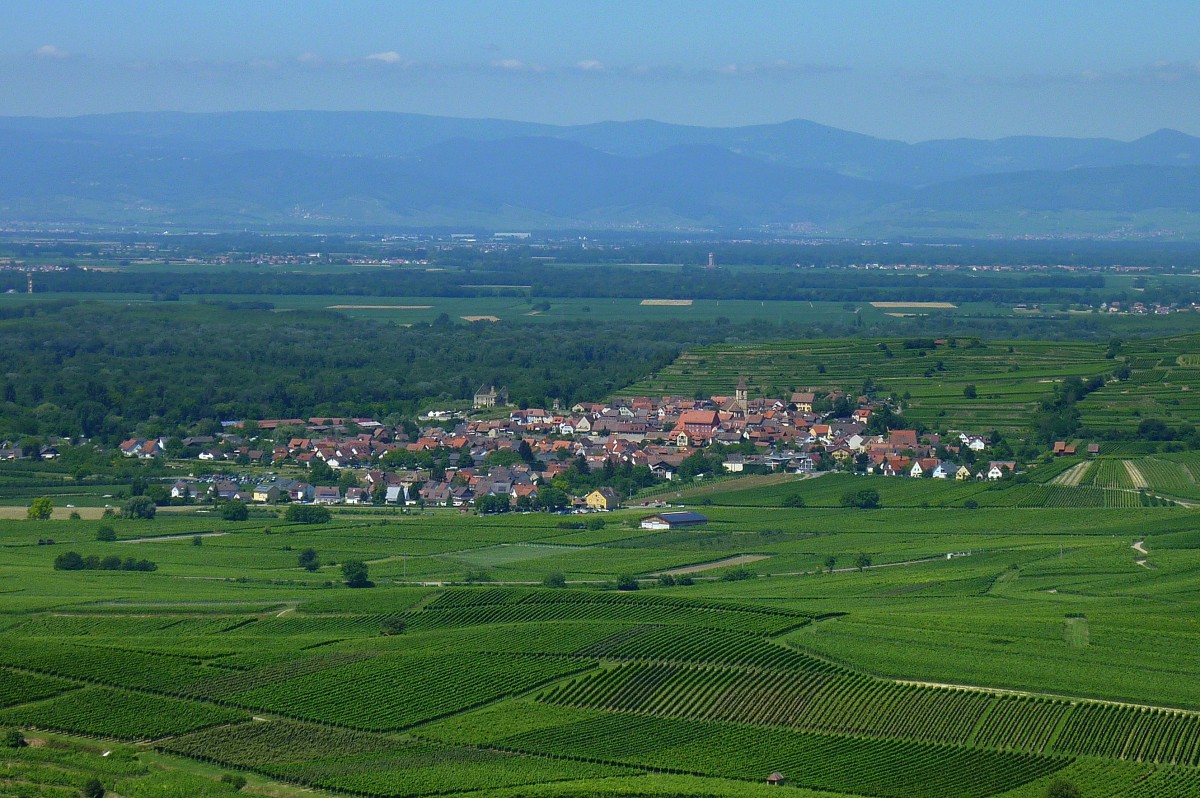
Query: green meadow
{"type": "Point", "coordinates": [925, 648]}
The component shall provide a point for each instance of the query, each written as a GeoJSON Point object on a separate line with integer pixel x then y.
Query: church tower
{"type": "Point", "coordinates": [742, 396]}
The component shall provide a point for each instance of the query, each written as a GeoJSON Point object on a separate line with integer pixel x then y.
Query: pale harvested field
{"type": "Point", "coordinates": [913, 305]}
{"type": "Point", "coordinates": [741, 559]}
{"type": "Point", "coordinates": [378, 307]}
{"type": "Point", "coordinates": [480, 318]}
{"type": "Point", "coordinates": [671, 303]}
{"type": "Point", "coordinates": [59, 514]}
{"type": "Point", "coordinates": [1073, 475]}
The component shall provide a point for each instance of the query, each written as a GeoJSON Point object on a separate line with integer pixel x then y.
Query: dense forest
{"type": "Point", "coordinates": [107, 370]}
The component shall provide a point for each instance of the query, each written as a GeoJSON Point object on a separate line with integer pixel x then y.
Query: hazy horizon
{"type": "Point", "coordinates": [906, 71]}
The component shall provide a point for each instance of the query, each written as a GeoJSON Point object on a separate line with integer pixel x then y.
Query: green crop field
{"type": "Point", "coordinates": [982, 650]}
{"type": "Point", "coordinates": [509, 305]}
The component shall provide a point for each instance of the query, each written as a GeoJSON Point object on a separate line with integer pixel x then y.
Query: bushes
{"type": "Point", "coordinates": [72, 561]}
{"type": "Point", "coordinates": [794, 500]}
{"type": "Point", "coordinates": [307, 514]}
{"type": "Point", "coordinates": [106, 534]}
{"type": "Point", "coordinates": [865, 499]}
{"type": "Point", "coordinates": [235, 510]}
{"type": "Point", "coordinates": [738, 575]}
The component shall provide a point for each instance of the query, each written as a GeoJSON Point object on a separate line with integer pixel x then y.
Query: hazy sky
{"type": "Point", "coordinates": [910, 70]}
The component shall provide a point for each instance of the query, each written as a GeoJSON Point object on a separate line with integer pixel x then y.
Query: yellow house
{"type": "Point", "coordinates": [962, 473]}
{"type": "Point", "coordinates": [603, 499]}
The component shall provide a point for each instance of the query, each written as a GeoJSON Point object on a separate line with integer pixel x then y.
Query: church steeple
{"type": "Point", "coordinates": [742, 395]}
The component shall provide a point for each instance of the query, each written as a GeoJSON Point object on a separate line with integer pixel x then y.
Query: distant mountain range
{"type": "Point", "coordinates": [353, 170]}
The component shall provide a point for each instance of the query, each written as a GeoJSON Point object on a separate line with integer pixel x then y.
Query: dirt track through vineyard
{"type": "Point", "coordinates": [1073, 475]}
{"type": "Point", "coordinates": [741, 559]}
{"type": "Point", "coordinates": [1135, 475]}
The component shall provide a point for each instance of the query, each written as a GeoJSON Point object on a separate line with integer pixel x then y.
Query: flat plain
{"type": "Point", "coordinates": [983, 652]}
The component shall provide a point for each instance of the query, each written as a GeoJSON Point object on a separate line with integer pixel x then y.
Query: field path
{"type": "Point", "coordinates": [872, 567]}
{"type": "Point", "coordinates": [974, 688]}
{"type": "Point", "coordinates": [1135, 475]}
{"type": "Point", "coordinates": [1073, 475]}
{"type": "Point", "coordinates": [173, 537]}
{"type": "Point", "coordinates": [1140, 547]}
{"type": "Point", "coordinates": [740, 559]}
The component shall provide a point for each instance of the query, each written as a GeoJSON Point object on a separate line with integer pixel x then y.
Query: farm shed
{"type": "Point", "coordinates": [673, 520]}
{"type": "Point", "coordinates": [775, 778]}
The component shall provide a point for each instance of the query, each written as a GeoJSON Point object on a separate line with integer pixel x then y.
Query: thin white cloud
{"type": "Point", "coordinates": [514, 65]}
{"type": "Point", "coordinates": [50, 51]}
{"type": "Point", "coordinates": [778, 66]}
{"type": "Point", "coordinates": [590, 65]}
{"type": "Point", "coordinates": [389, 57]}
{"type": "Point", "coordinates": [310, 58]}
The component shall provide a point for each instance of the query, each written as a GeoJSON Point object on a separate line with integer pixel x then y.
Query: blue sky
{"type": "Point", "coordinates": [908, 70]}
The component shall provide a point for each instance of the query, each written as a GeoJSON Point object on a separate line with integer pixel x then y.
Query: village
{"type": "Point", "coordinates": [589, 457]}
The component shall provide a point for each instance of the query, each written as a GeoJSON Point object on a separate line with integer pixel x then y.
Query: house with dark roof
{"type": "Point", "coordinates": [673, 520]}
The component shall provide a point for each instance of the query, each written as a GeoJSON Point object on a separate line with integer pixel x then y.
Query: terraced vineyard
{"type": "Point", "coordinates": [1010, 378]}
{"type": "Point", "coordinates": [1163, 385]}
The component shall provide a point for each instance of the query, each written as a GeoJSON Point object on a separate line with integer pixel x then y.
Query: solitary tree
{"type": "Point", "coordinates": [626, 582]}
{"type": "Point", "coordinates": [140, 507]}
{"type": "Point", "coordinates": [393, 625]}
{"type": "Point", "coordinates": [555, 580]}
{"type": "Point", "coordinates": [355, 572]}
{"type": "Point", "coordinates": [969, 391]}
{"type": "Point", "coordinates": [862, 561]}
{"type": "Point", "coordinates": [93, 789]}
{"type": "Point", "coordinates": [830, 561]}
{"type": "Point", "coordinates": [40, 509]}
{"type": "Point", "coordinates": [308, 560]}
{"type": "Point", "coordinates": [13, 738]}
